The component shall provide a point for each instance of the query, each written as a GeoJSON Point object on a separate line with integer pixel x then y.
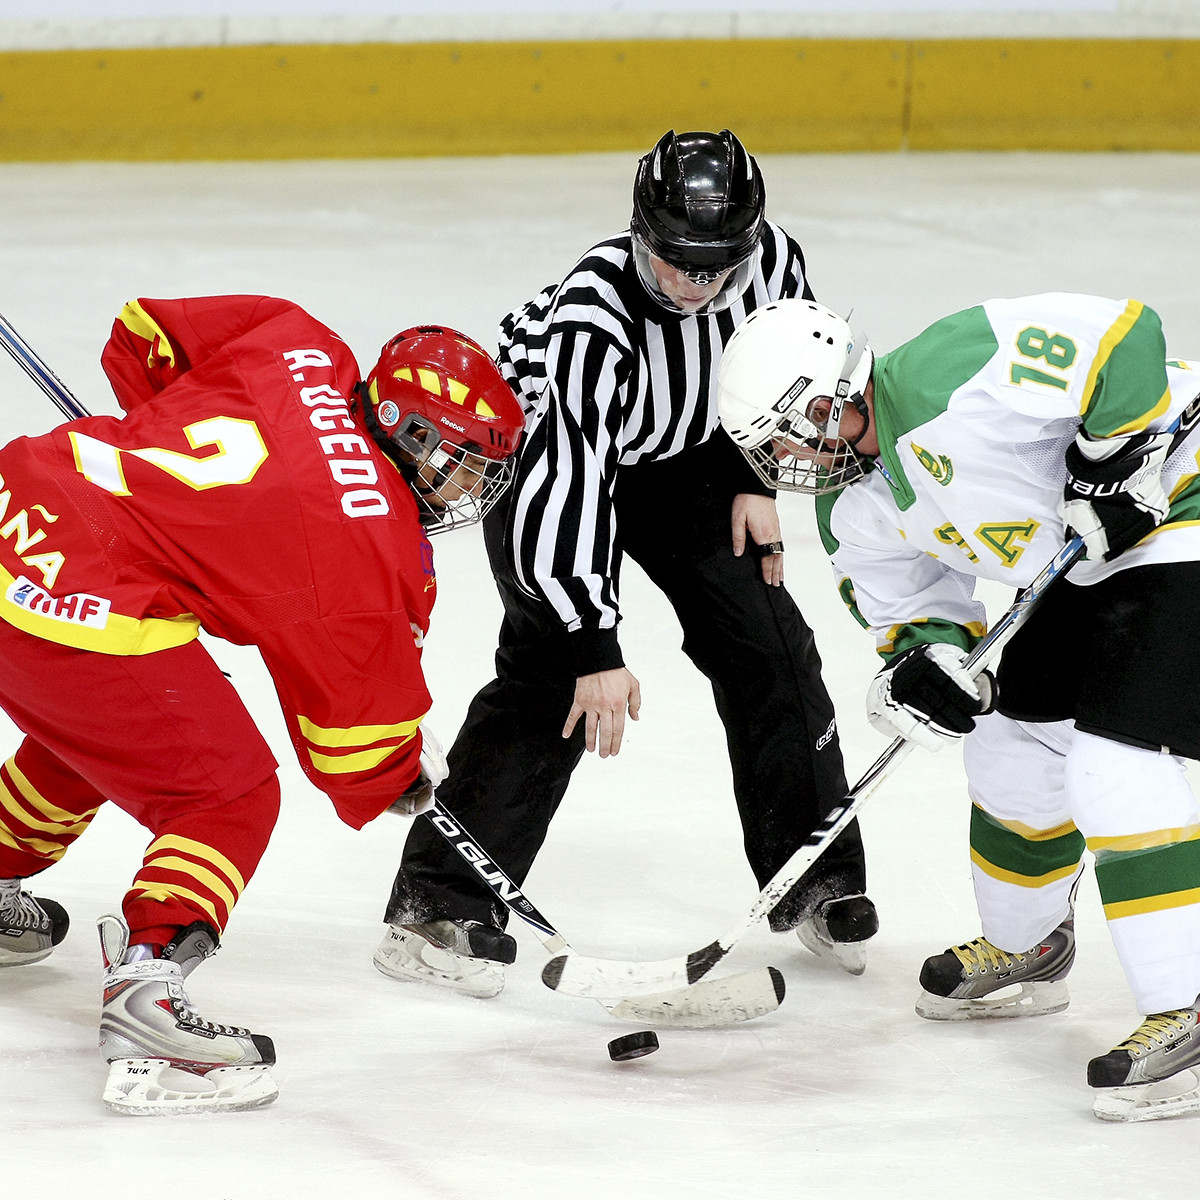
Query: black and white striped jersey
{"type": "Point", "coordinates": [608, 378]}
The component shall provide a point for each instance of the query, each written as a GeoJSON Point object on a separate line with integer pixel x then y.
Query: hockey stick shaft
{"type": "Point", "coordinates": [36, 369]}
{"type": "Point", "coordinates": [496, 879]}
{"type": "Point", "coordinates": [723, 1002]}
{"type": "Point", "coordinates": [580, 976]}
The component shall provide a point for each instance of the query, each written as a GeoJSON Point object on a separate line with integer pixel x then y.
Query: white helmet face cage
{"type": "Point", "coordinates": [736, 283]}
{"type": "Point", "coordinates": [786, 377]}
{"type": "Point", "coordinates": [453, 486]}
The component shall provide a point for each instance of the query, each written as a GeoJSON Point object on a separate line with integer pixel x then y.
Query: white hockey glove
{"type": "Point", "coordinates": [418, 797]}
{"type": "Point", "coordinates": [927, 696]}
{"type": "Point", "coordinates": [1114, 494]}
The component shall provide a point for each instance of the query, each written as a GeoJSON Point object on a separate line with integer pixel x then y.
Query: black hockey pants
{"type": "Point", "coordinates": [510, 765]}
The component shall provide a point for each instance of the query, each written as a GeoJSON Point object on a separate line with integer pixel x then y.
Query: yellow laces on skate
{"type": "Point", "coordinates": [982, 955]}
{"type": "Point", "coordinates": [1155, 1031]}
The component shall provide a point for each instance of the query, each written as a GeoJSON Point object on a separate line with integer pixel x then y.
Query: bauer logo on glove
{"type": "Point", "coordinates": [927, 696]}
{"type": "Point", "coordinates": [1114, 494]}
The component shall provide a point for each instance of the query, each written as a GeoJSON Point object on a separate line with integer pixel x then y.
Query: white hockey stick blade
{"type": "Point", "coordinates": [576, 974]}
{"type": "Point", "coordinates": [1172, 1097]}
{"type": "Point", "coordinates": [708, 1004]}
{"type": "Point", "coordinates": [150, 1087]}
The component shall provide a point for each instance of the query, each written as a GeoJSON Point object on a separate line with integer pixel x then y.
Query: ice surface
{"type": "Point", "coordinates": [392, 1090]}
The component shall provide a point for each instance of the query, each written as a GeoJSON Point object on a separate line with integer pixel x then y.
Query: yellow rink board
{"type": "Point", "coordinates": [780, 95]}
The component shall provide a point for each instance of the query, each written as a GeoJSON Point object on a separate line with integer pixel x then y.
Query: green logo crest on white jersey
{"type": "Point", "coordinates": [939, 466]}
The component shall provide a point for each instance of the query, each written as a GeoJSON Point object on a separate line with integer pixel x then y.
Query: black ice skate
{"type": "Point", "coordinates": [978, 979]}
{"type": "Point", "coordinates": [1153, 1073]}
{"type": "Point", "coordinates": [30, 927]}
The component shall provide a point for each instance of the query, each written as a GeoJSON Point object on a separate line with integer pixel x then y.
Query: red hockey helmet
{"type": "Point", "coordinates": [439, 406]}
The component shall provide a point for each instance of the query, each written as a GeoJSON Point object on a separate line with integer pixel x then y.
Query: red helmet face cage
{"type": "Point", "coordinates": [442, 407]}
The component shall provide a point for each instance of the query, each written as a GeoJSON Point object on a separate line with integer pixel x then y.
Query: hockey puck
{"type": "Point", "coordinates": [633, 1045]}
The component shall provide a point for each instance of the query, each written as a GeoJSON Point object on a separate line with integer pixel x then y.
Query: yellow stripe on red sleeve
{"type": "Point", "coordinates": [345, 750]}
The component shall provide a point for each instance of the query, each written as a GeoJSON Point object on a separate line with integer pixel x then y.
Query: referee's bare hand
{"type": "Point", "coordinates": [603, 699]}
{"type": "Point", "coordinates": [757, 518]}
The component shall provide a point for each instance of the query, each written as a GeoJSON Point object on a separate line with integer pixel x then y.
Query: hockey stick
{"type": "Point", "coordinates": [580, 976]}
{"type": "Point", "coordinates": [712, 1002]}
{"type": "Point", "coordinates": [591, 977]}
{"type": "Point", "coordinates": [41, 374]}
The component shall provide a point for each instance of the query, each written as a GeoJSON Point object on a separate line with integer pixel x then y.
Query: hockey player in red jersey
{"type": "Point", "coordinates": [256, 488]}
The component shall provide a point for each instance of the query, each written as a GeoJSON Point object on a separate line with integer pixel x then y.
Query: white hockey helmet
{"type": "Point", "coordinates": [784, 381]}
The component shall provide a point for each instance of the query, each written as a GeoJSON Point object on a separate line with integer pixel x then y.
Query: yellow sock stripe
{"type": "Point", "coordinates": [11, 804]}
{"type": "Point", "coordinates": [1150, 840]}
{"type": "Point", "coordinates": [153, 890]}
{"type": "Point", "coordinates": [201, 851]}
{"type": "Point", "coordinates": [51, 850]}
{"type": "Point", "coordinates": [1029, 834]}
{"type": "Point", "coordinates": [214, 882]}
{"type": "Point", "coordinates": [1027, 881]}
{"type": "Point", "coordinates": [58, 818]}
{"type": "Point", "coordinates": [1149, 904]}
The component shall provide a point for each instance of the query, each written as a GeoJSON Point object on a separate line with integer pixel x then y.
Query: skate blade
{"type": "Point", "coordinates": [1017, 1000]}
{"type": "Point", "coordinates": [413, 958]}
{"type": "Point", "coordinates": [850, 956]}
{"type": "Point", "coordinates": [1175, 1096]}
{"type": "Point", "coordinates": [144, 1087]}
{"type": "Point", "coordinates": [10, 959]}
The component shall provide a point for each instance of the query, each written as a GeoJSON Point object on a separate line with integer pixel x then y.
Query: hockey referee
{"type": "Point", "coordinates": [616, 368]}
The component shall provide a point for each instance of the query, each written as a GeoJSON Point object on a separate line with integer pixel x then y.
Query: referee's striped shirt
{"type": "Point", "coordinates": [609, 378]}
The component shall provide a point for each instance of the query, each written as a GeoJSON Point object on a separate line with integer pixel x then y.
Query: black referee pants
{"type": "Point", "coordinates": [510, 765]}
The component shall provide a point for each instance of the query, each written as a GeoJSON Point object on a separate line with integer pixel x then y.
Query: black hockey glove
{"type": "Point", "coordinates": [1114, 494]}
{"type": "Point", "coordinates": [927, 696]}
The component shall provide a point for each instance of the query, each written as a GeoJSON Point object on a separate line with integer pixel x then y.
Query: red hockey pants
{"type": "Point", "coordinates": [165, 737]}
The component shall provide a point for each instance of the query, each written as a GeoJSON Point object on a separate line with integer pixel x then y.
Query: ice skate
{"type": "Point", "coordinates": [465, 956]}
{"type": "Point", "coordinates": [839, 931]}
{"type": "Point", "coordinates": [30, 927]}
{"type": "Point", "coordinates": [1154, 1073]}
{"type": "Point", "coordinates": [981, 980]}
{"type": "Point", "coordinates": [163, 1057]}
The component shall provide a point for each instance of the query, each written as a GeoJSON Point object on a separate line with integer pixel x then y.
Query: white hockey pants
{"type": "Point", "coordinates": [1033, 785]}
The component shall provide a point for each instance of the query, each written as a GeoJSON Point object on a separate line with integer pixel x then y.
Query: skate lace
{"type": "Point", "coordinates": [19, 910]}
{"type": "Point", "coordinates": [187, 1015]}
{"type": "Point", "coordinates": [982, 955]}
{"type": "Point", "coordinates": [1156, 1031]}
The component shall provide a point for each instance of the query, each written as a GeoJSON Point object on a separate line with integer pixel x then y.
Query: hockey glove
{"type": "Point", "coordinates": [927, 696]}
{"type": "Point", "coordinates": [1114, 494]}
{"type": "Point", "coordinates": [418, 796]}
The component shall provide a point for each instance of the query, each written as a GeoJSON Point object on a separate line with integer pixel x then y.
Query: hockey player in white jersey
{"type": "Point", "coordinates": [974, 451]}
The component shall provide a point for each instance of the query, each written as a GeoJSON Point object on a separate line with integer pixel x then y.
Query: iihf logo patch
{"type": "Point", "coordinates": [78, 609]}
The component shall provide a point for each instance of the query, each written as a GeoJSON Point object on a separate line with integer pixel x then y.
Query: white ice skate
{"type": "Point", "coordinates": [464, 956]}
{"type": "Point", "coordinates": [839, 931]}
{"type": "Point", "coordinates": [30, 927]}
{"type": "Point", "coordinates": [164, 1058]}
